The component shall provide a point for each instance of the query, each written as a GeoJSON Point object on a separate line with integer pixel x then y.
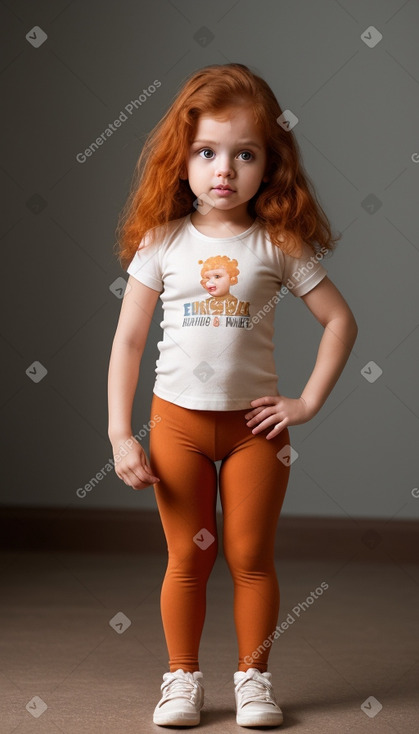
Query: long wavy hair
{"type": "Point", "coordinates": [286, 205]}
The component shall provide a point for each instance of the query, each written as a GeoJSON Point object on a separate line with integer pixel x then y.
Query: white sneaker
{"type": "Point", "coordinates": [255, 699]}
{"type": "Point", "coordinates": [182, 699]}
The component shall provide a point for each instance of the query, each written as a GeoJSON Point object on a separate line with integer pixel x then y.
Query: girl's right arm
{"type": "Point", "coordinates": [137, 309]}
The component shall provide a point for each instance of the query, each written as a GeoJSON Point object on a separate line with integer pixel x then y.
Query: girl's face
{"type": "Point", "coordinates": [216, 282]}
{"type": "Point", "coordinates": [229, 153]}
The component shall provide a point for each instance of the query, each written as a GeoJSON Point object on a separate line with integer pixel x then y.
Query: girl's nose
{"type": "Point", "coordinates": [224, 168]}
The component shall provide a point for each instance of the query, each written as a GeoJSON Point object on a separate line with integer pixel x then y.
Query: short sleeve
{"type": "Point", "coordinates": [145, 266]}
{"type": "Point", "coordinates": [302, 273]}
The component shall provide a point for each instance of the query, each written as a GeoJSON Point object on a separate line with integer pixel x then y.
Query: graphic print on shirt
{"type": "Point", "coordinates": [221, 308]}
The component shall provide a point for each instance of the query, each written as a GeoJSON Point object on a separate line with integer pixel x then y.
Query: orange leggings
{"type": "Point", "coordinates": [252, 482]}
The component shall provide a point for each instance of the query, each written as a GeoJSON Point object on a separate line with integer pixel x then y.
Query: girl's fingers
{"type": "Point", "coordinates": [252, 413]}
{"type": "Point", "coordinates": [268, 411]}
{"type": "Point", "coordinates": [147, 469]}
{"type": "Point", "coordinates": [255, 410]}
{"type": "Point", "coordinates": [260, 401]}
{"type": "Point", "coordinates": [140, 475]}
{"type": "Point", "coordinates": [146, 475]}
{"type": "Point", "coordinates": [264, 401]}
{"type": "Point", "coordinates": [133, 480]}
{"type": "Point", "coordinates": [151, 476]}
{"type": "Point", "coordinates": [267, 423]}
{"type": "Point", "coordinates": [276, 430]}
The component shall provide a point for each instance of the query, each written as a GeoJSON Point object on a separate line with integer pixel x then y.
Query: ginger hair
{"type": "Point", "coordinates": [286, 205]}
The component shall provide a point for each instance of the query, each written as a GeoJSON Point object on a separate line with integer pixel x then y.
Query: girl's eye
{"type": "Point", "coordinates": [206, 150]}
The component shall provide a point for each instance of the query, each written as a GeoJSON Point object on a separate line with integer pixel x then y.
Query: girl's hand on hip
{"type": "Point", "coordinates": [277, 411]}
{"type": "Point", "coordinates": [131, 463]}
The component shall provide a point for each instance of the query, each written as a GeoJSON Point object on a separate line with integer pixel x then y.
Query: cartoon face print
{"type": "Point", "coordinates": [217, 282]}
{"type": "Point", "coordinates": [218, 274]}
{"type": "Point", "coordinates": [221, 308]}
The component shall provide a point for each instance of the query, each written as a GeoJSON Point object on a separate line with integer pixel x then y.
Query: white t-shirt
{"type": "Point", "coordinates": [219, 297]}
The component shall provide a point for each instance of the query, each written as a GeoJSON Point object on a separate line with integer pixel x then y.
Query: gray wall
{"type": "Point", "coordinates": [358, 121]}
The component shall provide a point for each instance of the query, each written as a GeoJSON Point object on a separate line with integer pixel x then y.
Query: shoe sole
{"type": "Point", "coordinates": [175, 720]}
{"type": "Point", "coordinates": [262, 720]}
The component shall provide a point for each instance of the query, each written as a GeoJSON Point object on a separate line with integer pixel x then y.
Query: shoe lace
{"type": "Point", "coordinates": [252, 689]}
{"type": "Point", "coordinates": [175, 687]}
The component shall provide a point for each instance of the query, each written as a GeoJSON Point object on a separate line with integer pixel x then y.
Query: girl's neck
{"type": "Point", "coordinates": [221, 227]}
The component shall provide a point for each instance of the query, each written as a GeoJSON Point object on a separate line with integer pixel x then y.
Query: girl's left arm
{"type": "Point", "coordinates": [329, 307]}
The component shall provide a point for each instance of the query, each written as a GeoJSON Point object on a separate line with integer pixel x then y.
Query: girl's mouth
{"type": "Point", "coordinates": [224, 192]}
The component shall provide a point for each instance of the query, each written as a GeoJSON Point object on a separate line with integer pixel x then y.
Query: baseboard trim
{"type": "Point", "coordinates": [110, 530]}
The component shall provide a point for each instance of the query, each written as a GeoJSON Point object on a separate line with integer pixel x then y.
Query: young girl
{"type": "Point", "coordinates": [220, 193]}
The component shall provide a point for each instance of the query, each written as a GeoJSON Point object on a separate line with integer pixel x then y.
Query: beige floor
{"type": "Point", "coordinates": [358, 640]}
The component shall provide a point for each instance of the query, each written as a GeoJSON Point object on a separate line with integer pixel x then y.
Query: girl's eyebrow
{"type": "Point", "coordinates": [239, 142]}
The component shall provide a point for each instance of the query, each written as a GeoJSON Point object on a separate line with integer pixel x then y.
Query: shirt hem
{"type": "Point", "coordinates": [309, 284]}
{"type": "Point", "coordinates": [144, 279]}
{"type": "Point", "coordinates": [194, 404]}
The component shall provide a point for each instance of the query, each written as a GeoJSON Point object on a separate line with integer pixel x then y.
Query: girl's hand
{"type": "Point", "coordinates": [131, 463]}
{"type": "Point", "coordinates": [277, 411]}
